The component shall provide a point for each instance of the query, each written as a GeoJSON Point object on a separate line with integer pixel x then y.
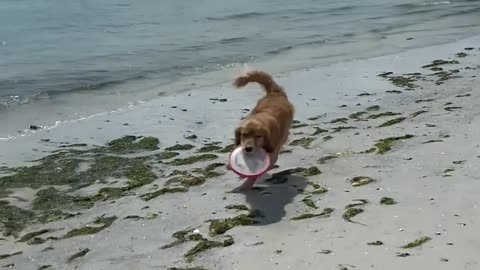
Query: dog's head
{"type": "Point", "coordinates": [252, 135]}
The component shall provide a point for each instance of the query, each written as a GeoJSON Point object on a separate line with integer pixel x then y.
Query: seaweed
{"type": "Point", "coordinates": [385, 145]}
{"type": "Point", "coordinates": [209, 148]}
{"type": "Point", "coordinates": [417, 113]}
{"type": "Point", "coordinates": [204, 245]}
{"type": "Point", "coordinates": [227, 149]}
{"type": "Point", "coordinates": [440, 62]}
{"type": "Point", "coordinates": [51, 199]}
{"type": "Point", "coordinates": [239, 207]}
{"type": "Point", "coordinates": [357, 115]}
{"type": "Point", "coordinates": [31, 235]}
{"type": "Point", "coordinates": [327, 138]}
{"type": "Point", "coordinates": [461, 54]}
{"type": "Point", "coordinates": [373, 108]}
{"type": "Point", "coordinates": [342, 120]}
{"type": "Point", "coordinates": [308, 202]}
{"type": "Point", "coordinates": [375, 243]}
{"type": "Point", "coordinates": [387, 201]}
{"type": "Point", "coordinates": [43, 267]}
{"type": "Point", "coordinates": [360, 203]}
{"type": "Point", "coordinates": [14, 219]}
{"type": "Point", "coordinates": [151, 195]}
{"type": "Point", "coordinates": [358, 181]}
{"type": "Point", "coordinates": [98, 225]}
{"type": "Point", "coordinates": [77, 255]}
{"type": "Point", "coordinates": [350, 213]}
{"type": "Point", "coordinates": [181, 237]}
{"type": "Point", "coordinates": [193, 159]}
{"type": "Point", "coordinates": [383, 114]}
{"type": "Point", "coordinates": [131, 144]}
{"type": "Point", "coordinates": [179, 147]}
{"type": "Point", "coordinates": [401, 81]}
{"type": "Point", "coordinates": [452, 108]}
{"type": "Point", "coordinates": [300, 125]}
{"type": "Point", "coordinates": [318, 131]}
{"type": "Point", "coordinates": [187, 268]}
{"type": "Point", "coordinates": [393, 92]}
{"type": "Point", "coordinates": [340, 128]}
{"type": "Point", "coordinates": [325, 213]}
{"type": "Point", "coordinates": [418, 242]}
{"type": "Point", "coordinates": [5, 256]}
{"type": "Point", "coordinates": [220, 226]}
{"type": "Point", "coordinates": [304, 142]}
{"type": "Point", "coordinates": [392, 122]}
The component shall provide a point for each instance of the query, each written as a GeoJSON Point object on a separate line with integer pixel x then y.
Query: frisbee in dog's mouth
{"type": "Point", "coordinates": [250, 164]}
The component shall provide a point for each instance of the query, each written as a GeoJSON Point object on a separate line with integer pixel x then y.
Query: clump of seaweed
{"type": "Point", "coordinates": [220, 226]}
{"type": "Point", "coordinates": [98, 225]}
{"type": "Point", "coordinates": [31, 235]}
{"type": "Point", "coordinates": [187, 268]}
{"type": "Point", "coordinates": [342, 120]}
{"type": "Point", "coordinates": [5, 256]}
{"type": "Point", "coordinates": [440, 62]}
{"type": "Point", "coordinates": [308, 202]}
{"type": "Point", "coordinates": [304, 142]}
{"type": "Point", "coordinates": [373, 108]}
{"type": "Point", "coordinates": [209, 148]}
{"type": "Point", "coordinates": [417, 113]}
{"type": "Point", "coordinates": [357, 115]}
{"type": "Point", "coordinates": [325, 213]}
{"type": "Point", "coordinates": [387, 201]}
{"type": "Point", "coordinates": [418, 242]}
{"type": "Point", "coordinates": [327, 138]}
{"type": "Point", "coordinates": [238, 207]}
{"type": "Point", "coordinates": [392, 122]}
{"type": "Point", "coordinates": [79, 254]}
{"type": "Point", "coordinates": [166, 155]}
{"type": "Point", "coordinates": [385, 145]}
{"type": "Point", "coordinates": [182, 237]}
{"type": "Point", "coordinates": [180, 147]}
{"type": "Point", "coordinates": [403, 82]}
{"type": "Point", "coordinates": [360, 202]}
{"type": "Point", "coordinates": [358, 181]}
{"type": "Point", "coordinates": [338, 129]}
{"type": "Point", "coordinates": [300, 125]}
{"type": "Point", "coordinates": [318, 130]}
{"type": "Point", "coordinates": [14, 219]}
{"type": "Point", "coordinates": [205, 244]}
{"type": "Point", "coordinates": [350, 213]}
{"type": "Point", "coordinates": [383, 114]}
{"type": "Point", "coordinates": [461, 54]}
{"type": "Point", "coordinates": [131, 144]}
{"type": "Point", "coordinates": [151, 195]}
{"type": "Point", "coordinates": [192, 159]}
{"type": "Point", "coordinates": [375, 243]}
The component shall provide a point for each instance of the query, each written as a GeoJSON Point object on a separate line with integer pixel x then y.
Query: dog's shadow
{"type": "Point", "coordinates": [272, 195]}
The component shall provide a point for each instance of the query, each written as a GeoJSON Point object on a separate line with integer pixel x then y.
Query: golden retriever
{"type": "Point", "coordinates": [269, 122]}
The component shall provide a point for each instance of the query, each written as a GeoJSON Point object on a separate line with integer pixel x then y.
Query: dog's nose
{"type": "Point", "coordinates": [249, 149]}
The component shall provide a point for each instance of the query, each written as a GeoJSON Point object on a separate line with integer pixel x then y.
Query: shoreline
{"type": "Point", "coordinates": [405, 136]}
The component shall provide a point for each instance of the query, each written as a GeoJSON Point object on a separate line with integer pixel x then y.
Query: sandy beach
{"type": "Point", "coordinates": [380, 172]}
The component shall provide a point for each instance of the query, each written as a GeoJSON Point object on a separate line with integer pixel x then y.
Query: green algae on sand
{"type": "Point", "coordinates": [151, 195]}
{"type": "Point", "coordinates": [31, 235]}
{"type": "Point", "coordinates": [14, 219]}
{"type": "Point", "coordinates": [179, 147]}
{"type": "Point", "coordinates": [358, 181]}
{"type": "Point", "coordinates": [417, 113]}
{"type": "Point", "coordinates": [304, 142]}
{"type": "Point", "coordinates": [77, 255]}
{"type": "Point", "coordinates": [383, 114]}
{"type": "Point", "coordinates": [360, 202]}
{"type": "Point", "coordinates": [387, 201]}
{"type": "Point", "coordinates": [220, 226]}
{"type": "Point", "coordinates": [385, 145]}
{"type": "Point", "coordinates": [325, 213]}
{"type": "Point", "coordinates": [187, 268]}
{"type": "Point", "coordinates": [392, 122]}
{"type": "Point", "coordinates": [5, 256]}
{"type": "Point", "coordinates": [192, 159]}
{"type": "Point", "coordinates": [205, 244]}
{"type": "Point", "coordinates": [350, 213]}
{"type": "Point", "coordinates": [375, 243]}
{"type": "Point", "coordinates": [440, 62]}
{"type": "Point", "coordinates": [418, 242]}
{"type": "Point", "coordinates": [342, 120]}
{"type": "Point", "coordinates": [98, 225]}
{"type": "Point", "coordinates": [238, 207]}
{"type": "Point", "coordinates": [131, 144]}
{"type": "Point", "coordinates": [309, 203]}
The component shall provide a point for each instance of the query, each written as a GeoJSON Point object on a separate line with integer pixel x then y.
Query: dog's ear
{"type": "Point", "coordinates": [238, 134]}
{"type": "Point", "coordinates": [267, 141]}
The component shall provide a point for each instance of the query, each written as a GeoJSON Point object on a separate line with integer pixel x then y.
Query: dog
{"type": "Point", "coordinates": [268, 124]}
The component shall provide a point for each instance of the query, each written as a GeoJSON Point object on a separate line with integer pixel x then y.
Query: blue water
{"type": "Point", "coordinates": [54, 47]}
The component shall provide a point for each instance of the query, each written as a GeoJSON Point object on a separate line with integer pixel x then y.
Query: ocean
{"type": "Point", "coordinates": [62, 60]}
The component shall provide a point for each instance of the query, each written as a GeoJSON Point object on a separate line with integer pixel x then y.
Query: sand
{"type": "Point", "coordinates": [430, 171]}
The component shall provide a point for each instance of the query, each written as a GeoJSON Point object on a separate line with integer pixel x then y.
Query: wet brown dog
{"type": "Point", "coordinates": [269, 123]}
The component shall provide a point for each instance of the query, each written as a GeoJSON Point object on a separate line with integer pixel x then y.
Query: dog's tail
{"type": "Point", "coordinates": [261, 78]}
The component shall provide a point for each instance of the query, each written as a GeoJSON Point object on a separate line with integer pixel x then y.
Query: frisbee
{"type": "Point", "coordinates": [249, 164]}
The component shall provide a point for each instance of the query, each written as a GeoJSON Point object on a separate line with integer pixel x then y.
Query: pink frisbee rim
{"type": "Point", "coordinates": [248, 175]}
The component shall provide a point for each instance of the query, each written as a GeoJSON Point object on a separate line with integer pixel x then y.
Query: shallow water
{"type": "Point", "coordinates": [67, 60]}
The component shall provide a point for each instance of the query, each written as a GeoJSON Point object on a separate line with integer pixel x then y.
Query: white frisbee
{"type": "Point", "coordinates": [251, 164]}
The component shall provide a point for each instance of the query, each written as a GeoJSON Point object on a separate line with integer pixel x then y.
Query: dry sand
{"type": "Point", "coordinates": [433, 176]}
